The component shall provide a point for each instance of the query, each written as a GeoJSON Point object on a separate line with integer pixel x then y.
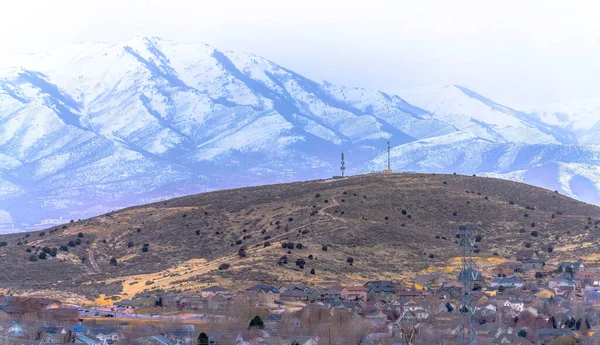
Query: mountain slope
{"type": "Point", "coordinates": [362, 217]}
{"type": "Point", "coordinates": [484, 118]}
{"type": "Point", "coordinates": [150, 117]}
{"type": "Point", "coordinates": [89, 128]}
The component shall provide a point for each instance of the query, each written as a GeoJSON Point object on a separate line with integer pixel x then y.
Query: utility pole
{"type": "Point", "coordinates": [389, 165]}
{"type": "Point", "coordinates": [329, 334]}
{"type": "Point", "coordinates": [343, 167]}
{"type": "Point", "coordinates": [468, 275]}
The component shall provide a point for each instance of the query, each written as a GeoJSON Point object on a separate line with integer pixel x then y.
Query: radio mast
{"type": "Point", "coordinates": [389, 165]}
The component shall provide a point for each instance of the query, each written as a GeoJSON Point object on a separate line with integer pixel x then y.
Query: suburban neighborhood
{"type": "Point", "coordinates": [521, 300]}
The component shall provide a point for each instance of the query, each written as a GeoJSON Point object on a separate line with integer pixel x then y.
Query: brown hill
{"type": "Point", "coordinates": [393, 226]}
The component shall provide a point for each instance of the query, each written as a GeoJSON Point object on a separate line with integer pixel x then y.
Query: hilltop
{"type": "Point", "coordinates": [392, 226]}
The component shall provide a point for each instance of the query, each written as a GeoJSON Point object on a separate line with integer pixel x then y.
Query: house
{"type": "Point", "coordinates": [507, 269]}
{"type": "Point", "coordinates": [449, 292]}
{"type": "Point", "coordinates": [583, 278]}
{"type": "Point", "coordinates": [354, 293]}
{"type": "Point", "coordinates": [325, 294]}
{"type": "Point", "coordinates": [512, 339]}
{"type": "Point", "coordinates": [546, 335]}
{"type": "Point", "coordinates": [293, 296]}
{"type": "Point", "coordinates": [430, 280]}
{"type": "Point", "coordinates": [572, 267]}
{"type": "Point", "coordinates": [292, 287]}
{"type": "Point", "coordinates": [84, 339]}
{"type": "Point", "coordinates": [376, 316]}
{"type": "Point", "coordinates": [562, 280]}
{"type": "Point", "coordinates": [409, 294]}
{"type": "Point", "coordinates": [137, 303]}
{"type": "Point", "coordinates": [156, 340]}
{"type": "Point", "coordinates": [262, 293]}
{"type": "Point", "coordinates": [182, 334]}
{"type": "Point", "coordinates": [545, 293]}
{"type": "Point", "coordinates": [507, 282]}
{"type": "Point", "coordinates": [107, 335]}
{"type": "Point", "coordinates": [524, 255]}
{"type": "Point", "coordinates": [272, 319]}
{"type": "Point", "coordinates": [515, 304]}
{"type": "Point", "coordinates": [28, 307]}
{"type": "Point", "coordinates": [15, 330]}
{"type": "Point", "coordinates": [564, 291]}
{"type": "Point", "coordinates": [53, 335]}
{"type": "Point", "coordinates": [533, 264]}
{"type": "Point", "coordinates": [591, 294]}
{"type": "Point", "coordinates": [213, 291]}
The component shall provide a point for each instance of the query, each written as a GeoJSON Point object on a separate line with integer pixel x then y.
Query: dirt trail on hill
{"type": "Point", "coordinates": [93, 260]}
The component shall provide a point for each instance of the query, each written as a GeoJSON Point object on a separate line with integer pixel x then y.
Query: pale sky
{"type": "Point", "coordinates": [515, 52]}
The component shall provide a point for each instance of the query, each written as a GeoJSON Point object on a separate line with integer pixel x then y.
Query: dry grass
{"type": "Point", "coordinates": [190, 237]}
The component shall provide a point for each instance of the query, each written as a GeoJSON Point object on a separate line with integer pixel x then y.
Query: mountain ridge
{"type": "Point", "coordinates": [93, 127]}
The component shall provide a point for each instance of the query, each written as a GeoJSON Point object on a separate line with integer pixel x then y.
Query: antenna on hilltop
{"type": "Point", "coordinates": [389, 165]}
{"type": "Point", "coordinates": [343, 167]}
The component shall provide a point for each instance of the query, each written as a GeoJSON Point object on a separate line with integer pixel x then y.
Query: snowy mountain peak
{"type": "Point", "coordinates": [90, 127]}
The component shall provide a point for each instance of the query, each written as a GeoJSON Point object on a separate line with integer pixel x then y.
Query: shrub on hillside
{"type": "Point", "coordinates": [113, 261]}
{"type": "Point", "coordinates": [224, 266]}
{"type": "Point", "coordinates": [350, 260]}
{"type": "Point", "coordinates": [33, 257]}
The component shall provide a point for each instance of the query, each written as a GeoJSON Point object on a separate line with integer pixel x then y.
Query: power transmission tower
{"type": "Point", "coordinates": [468, 274]}
{"type": "Point", "coordinates": [343, 167]}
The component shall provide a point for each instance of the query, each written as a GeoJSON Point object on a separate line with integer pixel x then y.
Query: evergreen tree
{"type": "Point", "coordinates": [256, 322]}
{"type": "Point", "coordinates": [202, 339]}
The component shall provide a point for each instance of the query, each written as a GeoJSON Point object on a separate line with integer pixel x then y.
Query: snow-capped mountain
{"type": "Point", "coordinates": [91, 127]}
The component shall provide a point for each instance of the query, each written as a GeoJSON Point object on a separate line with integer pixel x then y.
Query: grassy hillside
{"type": "Point", "coordinates": [393, 226]}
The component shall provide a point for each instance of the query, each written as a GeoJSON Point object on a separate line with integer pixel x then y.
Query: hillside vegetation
{"type": "Point", "coordinates": [391, 226]}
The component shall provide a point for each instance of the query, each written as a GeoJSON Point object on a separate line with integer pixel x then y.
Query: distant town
{"type": "Point", "coordinates": [521, 300]}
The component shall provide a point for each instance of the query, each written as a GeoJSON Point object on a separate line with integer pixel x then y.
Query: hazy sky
{"type": "Point", "coordinates": [517, 52]}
